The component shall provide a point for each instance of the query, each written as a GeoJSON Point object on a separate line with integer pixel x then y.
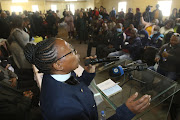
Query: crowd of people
{"type": "Point", "coordinates": [140, 36]}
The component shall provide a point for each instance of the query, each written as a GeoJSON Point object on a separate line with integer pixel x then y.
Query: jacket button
{"type": "Point", "coordinates": [82, 90]}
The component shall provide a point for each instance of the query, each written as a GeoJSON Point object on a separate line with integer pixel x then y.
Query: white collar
{"type": "Point", "coordinates": [61, 78]}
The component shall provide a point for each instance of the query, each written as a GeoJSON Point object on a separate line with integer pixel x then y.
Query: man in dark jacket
{"type": "Point", "coordinates": [143, 34]}
{"type": "Point", "coordinates": [131, 48]}
{"type": "Point", "coordinates": [4, 29]}
{"type": "Point", "coordinates": [157, 14]}
{"type": "Point", "coordinates": [168, 58]}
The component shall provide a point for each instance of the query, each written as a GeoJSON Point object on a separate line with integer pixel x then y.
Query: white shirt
{"type": "Point", "coordinates": [61, 78]}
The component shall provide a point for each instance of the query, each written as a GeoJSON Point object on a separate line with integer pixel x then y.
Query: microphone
{"type": "Point", "coordinates": [119, 70]}
{"type": "Point", "coordinates": [94, 61]}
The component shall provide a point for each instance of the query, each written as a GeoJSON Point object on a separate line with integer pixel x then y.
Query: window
{"type": "Point", "coordinates": [16, 9]}
{"type": "Point", "coordinates": [35, 8]}
{"type": "Point", "coordinates": [70, 0]}
{"type": "Point", "coordinates": [165, 7]}
{"type": "Point", "coordinates": [54, 8]}
{"type": "Point", "coordinates": [72, 8]}
{"type": "Point", "coordinates": [122, 6]}
{"type": "Point", "coordinates": [16, 1]}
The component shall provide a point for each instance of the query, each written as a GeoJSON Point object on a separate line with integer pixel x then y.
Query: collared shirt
{"type": "Point", "coordinates": [61, 78]}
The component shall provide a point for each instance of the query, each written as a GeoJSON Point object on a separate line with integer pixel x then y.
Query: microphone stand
{"type": "Point", "coordinates": [130, 77]}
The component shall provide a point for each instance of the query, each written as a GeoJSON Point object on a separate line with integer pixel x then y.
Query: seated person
{"type": "Point", "coordinates": [156, 38]}
{"type": "Point", "coordinates": [143, 34]}
{"type": "Point", "coordinates": [128, 30]}
{"type": "Point", "coordinates": [14, 104]}
{"type": "Point", "coordinates": [177, 26]}
{"type": "Point", "coordinates": [168, 57]}
{"type": "Point", "coordinates": [101, 39]}
{"type": "Point", "coordinates": [168, 26]}
{"type": "Point", "coordinates": [64, 96]}
{"type": "Point", "coordinates": [114, 44]}
{"type": "Point", "coordinates": [131, 48]}
{"type": "Point", "coordinates": [10, 78]}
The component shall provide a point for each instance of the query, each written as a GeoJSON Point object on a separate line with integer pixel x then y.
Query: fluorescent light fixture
{"type": "Point", "coordinates": [18, 1]}
{"type": "Point", "coordinates": [35, 8]}
{"type": "Point", "coordinates": [165, 7]}
{"type": "Point", "coordinates": [70, 0]}
{"type": "Point", "coordinates": [16, 9]}
{"type": "Point", "coordinates": [54, 8]}
{"type": "Point", "coordinates": [122, 6]}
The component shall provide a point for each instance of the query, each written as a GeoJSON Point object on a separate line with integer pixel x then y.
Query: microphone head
{"type": "Point", "coordinates": [87, 62]}
{"type": "Point", "coordinates": [141, 67]}
{"type": "Point", "coordinates": [116, 71]}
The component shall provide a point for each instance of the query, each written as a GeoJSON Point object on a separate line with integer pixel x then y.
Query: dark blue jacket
{"type": "Point", "coordinates": [61, 101]}
{"type": "Point", "coordinates": [155, 40]}
{"type": "Point", "coordinates": [134, 47]}
{"type": "Point", "coordinates": [143, 34]}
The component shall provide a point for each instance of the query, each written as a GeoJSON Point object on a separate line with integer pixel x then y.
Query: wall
{"type": "Point", "coordinates": [46, 5]}
{"type": "Point", "coordinates": [108, 4]}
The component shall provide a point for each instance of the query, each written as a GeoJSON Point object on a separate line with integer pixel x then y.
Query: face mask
{"type": "Point", "coordinates": [155, 32]}
{"type": "Point", "coordinates": [178, 24]}
{"type": "Point", "coordinates": [119, 30]}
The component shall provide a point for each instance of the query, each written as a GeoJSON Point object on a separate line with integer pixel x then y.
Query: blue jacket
{"type": "Point", "coordinates": [143, 34]}
{"type": "Point", "coordinates": [61, 101]}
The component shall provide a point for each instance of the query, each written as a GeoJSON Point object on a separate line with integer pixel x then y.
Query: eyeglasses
{"type": "Point", "coordinates": [73, 51]}
{"type": "Point", "coordinates": [176, 34]}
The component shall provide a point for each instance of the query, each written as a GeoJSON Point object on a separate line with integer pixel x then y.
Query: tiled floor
{"type": "Point", "coordinates": [82, 49]}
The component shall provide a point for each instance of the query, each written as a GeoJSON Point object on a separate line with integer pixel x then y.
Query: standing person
{"type": "Point", "coordinates": [64, 13]}
{"type": "Point", "coordinates": [81, 24]}
{"type": "Point", "coordinates": [5, 28]}
{"type": "Point", "coordinates": [128, 18]}
{"type": "Point", "coordinates": [137, 18]}
{"type": "Point", "coordinates": [70, 25]}
{"type": "Point", "coordinates": [64, 96]}
{"type": "Point", "coordinates": [174, 14]}
{"type": "Point", "coordinates": [147, 15]}
{"type": "Point", "coordinates": [112, 14]}
{"type": "Point", "coordinates": [157, 14]}
{"type": "Point", "coordinates": [58, 16]}
{"type": "Point", "coordinates": [17, 40]}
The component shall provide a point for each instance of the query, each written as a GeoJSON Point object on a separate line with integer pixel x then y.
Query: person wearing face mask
{"type": "Point", "coordinates": [168, 26]}
{"type": "Point", "coordinates": [131, 47]}
{"type": "Point", "coordinates": [156, 38]}
{"type": "Point", "coordinates": [168, 57]}
{"type": "Point", "coordinates": [116, 41]}
{"type": "Point", "coordinates": [105, 36]}
{"type": "Point", "coordinates": [118, 38]}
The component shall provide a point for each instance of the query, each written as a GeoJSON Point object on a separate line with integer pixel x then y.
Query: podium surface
{"type": "Point", "coordinates": [159, 87]}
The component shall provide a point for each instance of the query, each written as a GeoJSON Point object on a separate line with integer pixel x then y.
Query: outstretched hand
{"type": "Point", "coordinates": [139, 105]}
